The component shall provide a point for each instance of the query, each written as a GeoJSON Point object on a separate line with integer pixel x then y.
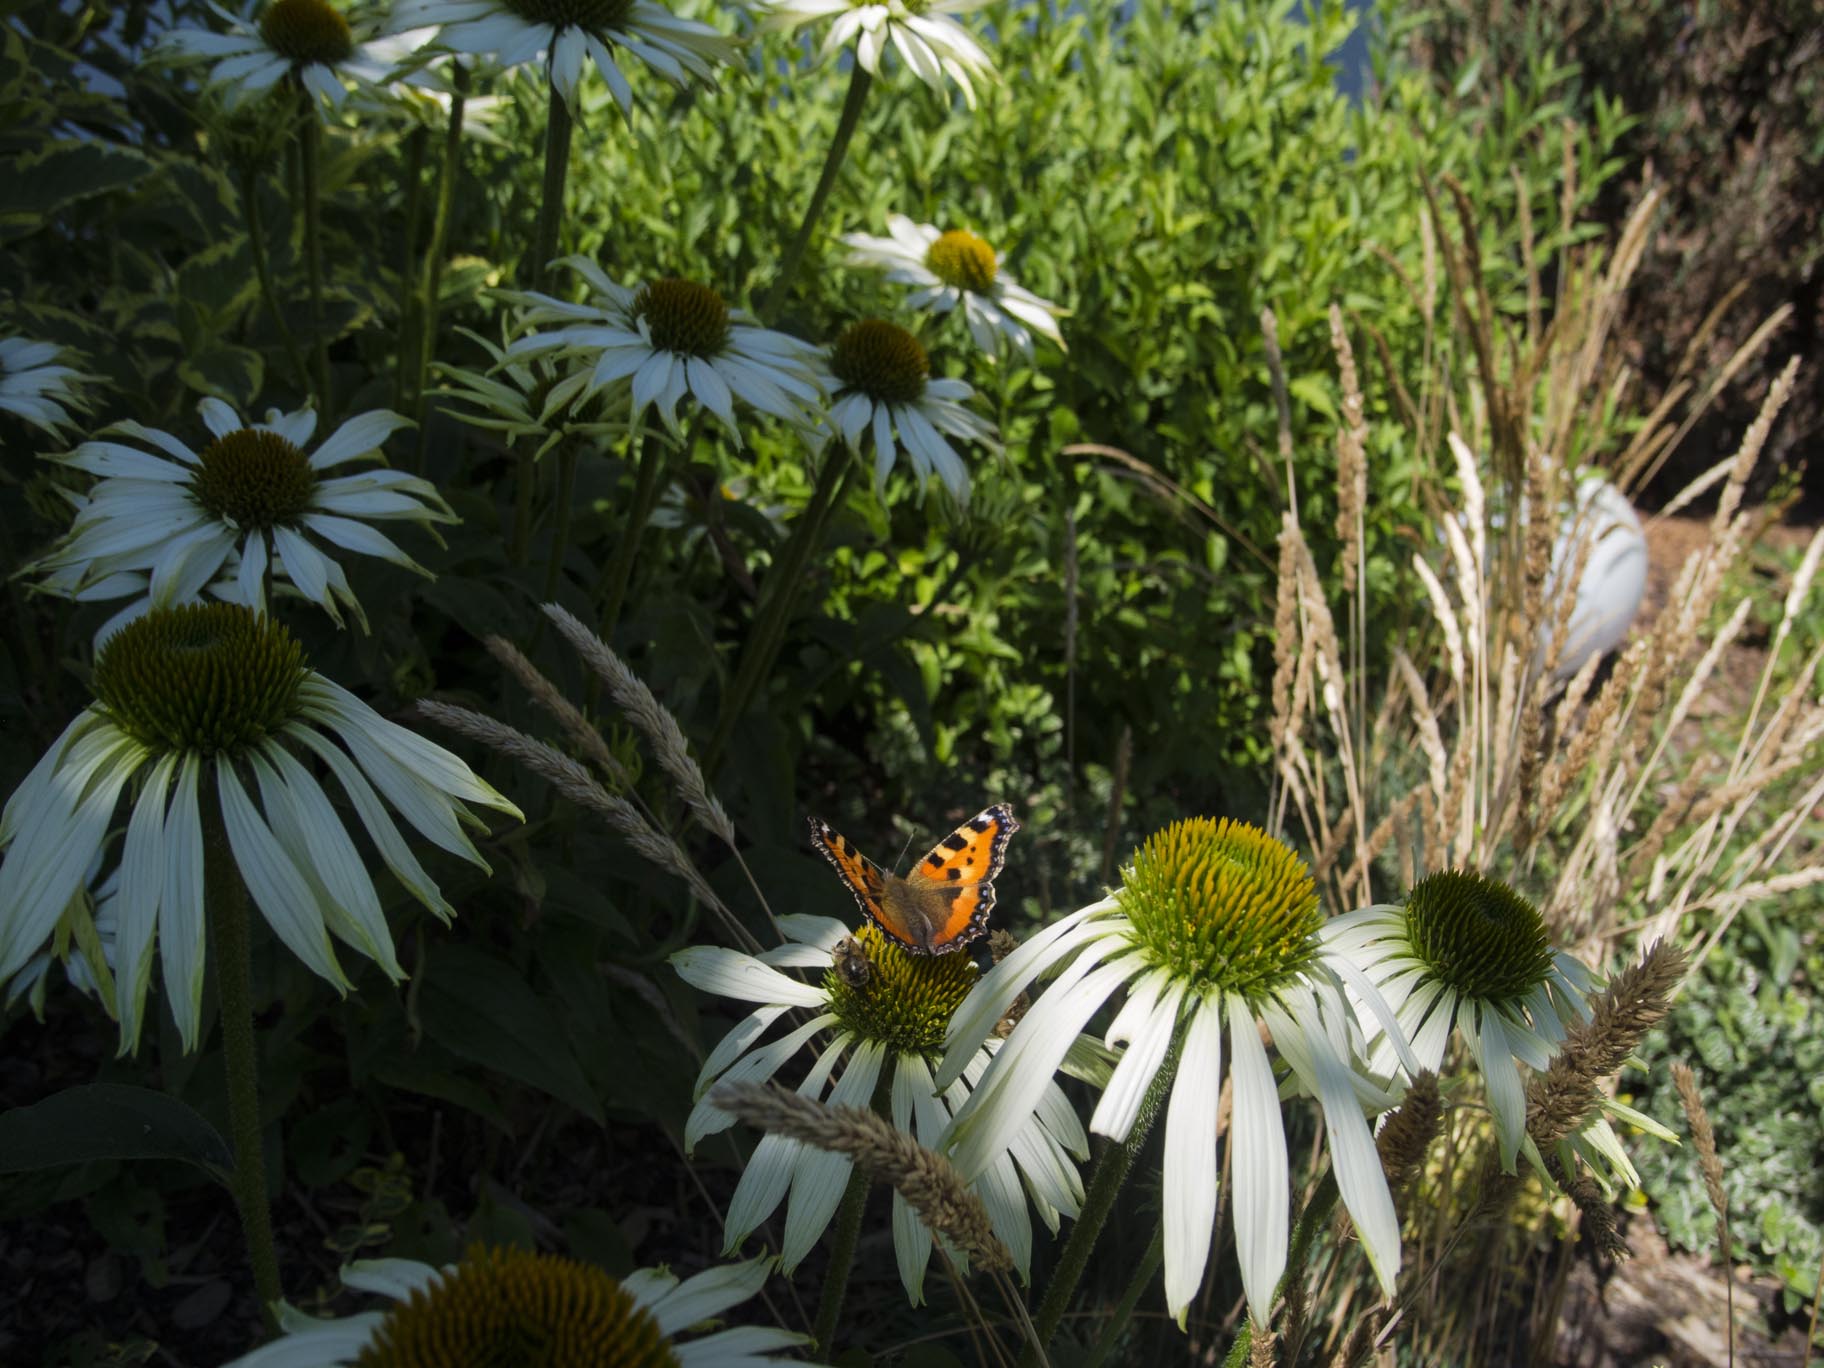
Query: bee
{"type": "Point", "coordinates": [851, 962]}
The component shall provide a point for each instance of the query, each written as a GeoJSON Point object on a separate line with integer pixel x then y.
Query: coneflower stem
{"type": "Point", "coordinates": [859, 81]}
{"type": "Point", "coordinates": [433, 256]}
{"type": "Point", "coordinates": [645, 497]}
{"type": "Point", "coordinates": [560, 514]}
{"type": "Point", "coordinates": [311, 157]}
{"type": "Point", "coordinates": [262, 266]}
{"type": "Point", "coordinates": [1124, 1309]}
{"type": "Point", "coordinates": [777, 597]}
{"type": "Point", "coordinates": [842, 1258]}
{"type": "Point", "coordinates": [405, 363]}
{"type": "Point", "coordinates": [551, 201]}
{"type": "Point", "coordinates": [1098, 1200]}
{"type": "Point", "coordinates": [225, 898]}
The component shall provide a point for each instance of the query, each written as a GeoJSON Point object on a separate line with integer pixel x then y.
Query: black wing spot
{"type": "Point", "coordinates": [979, 824]}
{"type": "Point", "coordinates": [956, 841]}
{"type": "Point", "coordinates": [956, 874]}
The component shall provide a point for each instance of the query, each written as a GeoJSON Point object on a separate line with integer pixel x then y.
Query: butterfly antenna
{"type": "Point", "coordinates": [900, 863]}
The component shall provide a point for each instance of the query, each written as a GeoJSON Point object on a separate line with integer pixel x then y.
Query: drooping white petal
{"type": "Point", "coordinates": [818, 1185]}
{"type": "Point", "coordinates": [707, 1119]}
{"type": "Point", "coordinates": [1259, 1195]}
{"type": "Point", "coordinates": [769, 1172]}
{"type": "Point", "coordinates": [1189, 1196]}
{"type": "Point", "coordinates": [142, 880]}
{"type": "Point", "coordinates": [730, 973]}
{"type": "Point", "coordinates": [731, 1047]}
{"type": "Point", "coordinates": [709, 1294]}
{"type": "Point", "coordinates": [274, 881]}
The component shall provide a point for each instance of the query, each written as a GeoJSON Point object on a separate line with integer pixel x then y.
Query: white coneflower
{"type": "Point", "coordinates": [882, 383]}
{"type": "Point", "coordinates": [927, 39]}
{"type": "Point", "coordinates": [514, 1306]}
{"type": "Point", "coordinates": [1213, 934]}
{"type": "Point", "coordinates": [889, 1015]}
{"type": "Point", "coordinates": [198, 708]}
{"type": "Point", "coordinates": [1467, 954]}
{"type": "Point", "coordinates": [958, 267]}
{"type": "Point", "coordinates": [35, 385]}
{"type": "Point", "coordinates": [565, 34]}
{"type": "Point", "coordinates": [308, 40]}
{"type": "Point", "coordinates": [253, 501]}
{"type": "Point", "coordinates": [666, 339]}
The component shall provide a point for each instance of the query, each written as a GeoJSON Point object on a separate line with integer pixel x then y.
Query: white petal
{"type": "Point", "coordinates": [1151, 1036]}
{"type": "Point", "coordinates": [182, 933]}
{"type": "Point", "coordinates": [274, 881]}
{"type": "Point", "coordinates": [989, 1000]}
{"type": "Point", "coordinates": [707, 1119]}
{"type": "Point", "coordinates": [818, 1185]}
{"type": "Point", "coordinates": [1259, 1197]}
{"type": "Point", "coordinates": [717, 969]}
{"type": "Point", "coordinates": [142, 880]}
{"type": "Point", "coordinates": [1189, 1195]}
{"type": "Point", "coordinates": [769, 1172]}
{"type": "Point", "coordinates": [363, 433]}
{"type": "Point", "coordinates": [1017, 1080]}
{"type": "Point", "coordinates": [708, 1294]}
{"type": "Point", "coordinates": [733, 1045]}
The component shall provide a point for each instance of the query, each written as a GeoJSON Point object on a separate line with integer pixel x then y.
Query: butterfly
{"type": "Point", "coordinates": [945, 901]}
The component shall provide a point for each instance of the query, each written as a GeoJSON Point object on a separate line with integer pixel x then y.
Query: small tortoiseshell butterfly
{"type": "Point", "coordinates": [945, 901]}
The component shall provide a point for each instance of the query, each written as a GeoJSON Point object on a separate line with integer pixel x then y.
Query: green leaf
{"type": "Point", "coordinates": [1314, 390]}
{"type": "Point", "coordinates": [476, 1006]}
{"type": "Point", "coordinates": [225, 371]}
{"type": "Point", "coordinates": [63, 172]}
{"type": "Point", "coordinates": [109, 1121]}
{"type": "Point", "coordinates": [414, 1075]}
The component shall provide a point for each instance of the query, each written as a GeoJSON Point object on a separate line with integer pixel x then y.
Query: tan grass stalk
{"type": "Point", "coordinates": [1262, 1349]}
{"type": "Point", "coordinates": [1446, 618]}
{"type": "Point", "coordinates": [927, 1180]}
{"type": "Point", "coordinates": [1409, 1129]}
{"type": "Point", "coordinates": [1703, 1138]}
{"type": "Point", "coordinates": [645, 711]}
{"type": "Point", "coordinates": [544, 693]}
{"type": "Point", "coordinates": [1565, 1092]}
{"type": "Point", "coordinates": [573, 779]}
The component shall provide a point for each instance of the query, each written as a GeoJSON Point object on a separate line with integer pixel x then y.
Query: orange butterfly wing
{"type": "Point", "coordinates": [858, 873]}
{"type": "Point", "coordinates": [960, 872]}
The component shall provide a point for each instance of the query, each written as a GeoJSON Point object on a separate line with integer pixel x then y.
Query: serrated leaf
{"type": "Point", "coordinates": [477, 1007]}
{"type": "Point", "coordinates": [109, 1121]}
{"type": "Point", "coordinates": [63, 172]}
{"type": "Point", "coordinates": [226, 371]}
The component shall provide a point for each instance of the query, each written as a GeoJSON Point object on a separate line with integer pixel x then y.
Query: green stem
{"type": "Point", "coordinates": [312, 157]}
{"type": "Point", "coordinates": [560, 525]}
{"type": "Point", "coordinates": [256, 243]}
{"type": "Point", "coordinates": [1237, 1357]}
{"type": "Point", "coordinates": [1098, 1200]}
{"type": "Point", "coordinates": [777, 598]}
{"type": "Point", "coordinates": [842, 1259]}
{"type": "Point", "coordinates": [859, 81]}
{"type": "Point", "coordinates": [551, 201]}
{"type": "Point", "coordinates": [1124, 1309]}
{"type": "Point", "coordinates": [404, 365]}
{"type": "Point", "coordinates": [525, 476]}
{"type": "Point", "coordinates": [645, 498]}
{"type": "Point", "coordinates": [433, 258]}
{"type": "Point", "coordinates": [225, 897]}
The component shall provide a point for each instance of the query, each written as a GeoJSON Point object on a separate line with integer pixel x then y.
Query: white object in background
{"type": "Point", "coordinates": [1614, 577]}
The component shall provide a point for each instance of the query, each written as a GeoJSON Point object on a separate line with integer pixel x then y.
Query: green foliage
{"type": "Point", "coordinates": [1751, 1028]}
